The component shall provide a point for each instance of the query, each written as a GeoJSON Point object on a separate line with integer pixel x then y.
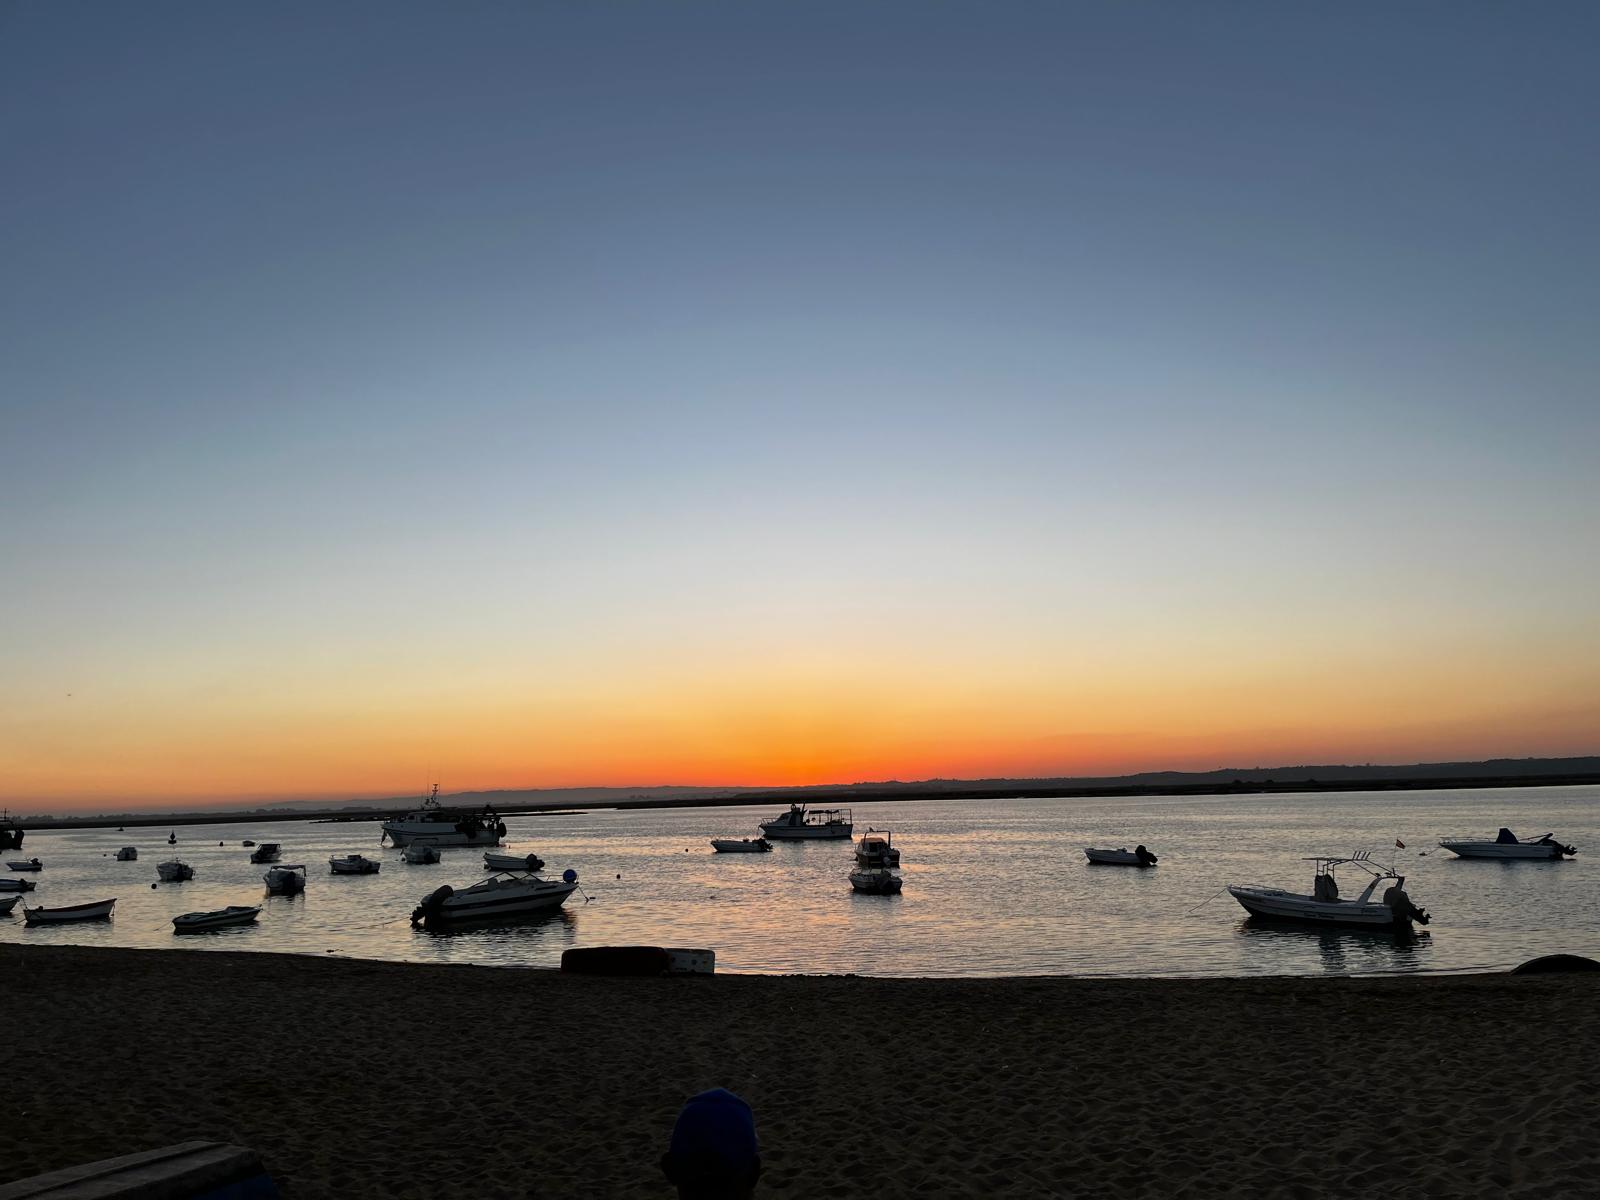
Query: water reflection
{"type": "Point", "coordinates": [1344, 950]}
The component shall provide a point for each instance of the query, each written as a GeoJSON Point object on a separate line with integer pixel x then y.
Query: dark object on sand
{"type": "Point", "coordinates": [1554, 964]}
{"type": "Point", "coordinates": [636, 960]}
{"type": "Point", "coordinates": [188, 1171]}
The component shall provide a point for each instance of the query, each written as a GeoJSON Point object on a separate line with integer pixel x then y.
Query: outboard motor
{"type": "Point", "coordinates": [1400, 905]}
{"type": "Point", "coordinates": [430, 908]}
{"type": "Point", "coordinates": [1146, 859]}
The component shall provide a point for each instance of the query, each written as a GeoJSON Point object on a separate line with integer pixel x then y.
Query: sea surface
{"type": "Point", "coordinates": [992, 887]}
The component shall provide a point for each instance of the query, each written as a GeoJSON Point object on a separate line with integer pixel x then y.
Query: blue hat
{"type": "Point", "coordinates": [716, 1126]}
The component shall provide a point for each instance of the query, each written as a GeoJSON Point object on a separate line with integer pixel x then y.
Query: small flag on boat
{"type": "Point", "coordinates": [1399, 843]}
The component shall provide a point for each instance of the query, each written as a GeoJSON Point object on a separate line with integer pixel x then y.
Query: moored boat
{"type": "Point", "coordinates": [504, 896]}
{"type": "Point", "coordinates": [353, 864]}
{"type": "Point", "coordinates": [440, 826]}
{"type": "Point", "coordinates": [511, 862]}
{"type": "Point", "coordinates": [808, 824]}
{"type": "Point", "coordinates": [1121, 857]}
{"type": "Point", "coordinates": [128, 854]}
{"type": "Point", "coordinates": [1394, 910]}
{"type": "Point", "coordinates": [10, 832]}
{"type": "Point", "coordinates": [7, 903]}
{"type": "Point", "coordinates": [96, 910]}
{"type": "Point", "coordinates": [220, 918]}
{"type": "Point", "coordinates": [26, 864]}
{"type": "Point", "coordinates": [875, 881]}
{"type": "Point", "coordinates": [741, 845]}
{"type": "Point", "coordinates": [1506, 844]}
{"type": "Point", "coordinates": [8, 884]}
{"type": "Point", "coordinates": [876, 849]}
{"type": "Point", "coordinates": [266, 852]}
{"type": "Point", "coordinates": [174, 871]}
{"type": "Point", "coordinates": [286, 880]}
{"type": "Point", "coordinates": [420, 854]}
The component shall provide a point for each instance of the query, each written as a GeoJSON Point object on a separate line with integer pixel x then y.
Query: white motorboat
{"type": "Point", "coordinates": [420, 854]}
{"type": "Point", "coordinates": [876, 849]}
{"type": "Point", "coordinates": [353, 864]}
{"type": "Point", "coordinates": [174, 871]}
{"type": "Point", "coordinates": [507, 895]}
{"type": "Point", "coordinates": [1508, 845]}
{"type": "Point", "coordinates": [1121, 857]}
{"type": "Point", "coordinates": [440, 826]}
{"type": "Point", "coordinates": [7, 904]}
{"type": "Point", "coordinates": [1394, 910]}
{"type": "Point", "coordinates": [741, 845]}
{"type": "Point", "coordinates": [286, 880]}
{"type": "Point", "coordinates": [808, 824]}
{"type": "Point", "coordinates": [27, 864]}
{"type": "Point", "coordinates": [266, 852]}
{"type": "Point", "coordinates": [8, 884]}
{"type": "Point", "coordinates": [128, 854]}
{"type": "Point", "coordinates": [98, 910]}
{"type": "Point", "coordinates": [221, 918]}
{"type": "Point", "coordinates": [511, 862]}
{"type": "Point", "coordinates": [875, 881]}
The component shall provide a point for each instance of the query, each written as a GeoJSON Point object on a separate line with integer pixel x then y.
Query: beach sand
{"type": "Point", "coordinates": [365, 1078]}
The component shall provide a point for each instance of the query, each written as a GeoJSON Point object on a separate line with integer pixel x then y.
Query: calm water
{"type": "Point", "coordinates": [992, 887]}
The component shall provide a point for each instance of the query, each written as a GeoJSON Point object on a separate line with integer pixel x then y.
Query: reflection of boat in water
{"type": "Point", "coordinates": [741, 845]}
{"type": "Point", "coordinates": [1508, 845]}
{"type": "Point", "coordinates": [1326, 907]}
{"type": "Point", "coordinates": [221, 918]}
{"type": "Point", "coordinates": [808, 824]}
{"type": "Point", "coordinates": [1122, 857]}
{"type": "Point", "coordinates": [507, 895]}
{"type": "Point", "coordinates": [440, 826]}
{"type": "Point", "coordinates": [287, 880]}
{"type": "Point", "coordinates": [173, 871]}
{"type": "Point", "coordinates": [353, 864]}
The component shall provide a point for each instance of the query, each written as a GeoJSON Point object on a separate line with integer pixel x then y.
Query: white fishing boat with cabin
{"type": "Point", "coordinates": [876, 849]}
{"type": "Point", "coordinates": [504, 896]}
{"type": "Point", "coordinates": [174, 871]}
{"type": "Point", "coordinates": [511, 862]}
{"type": "Point", "coordinates": [353, 864]}
{"type": "Point", "coordinates": [1508, 845]}
{"type": "Point", "coordinates": [741, 845]}
{"type": "Point", "coordinates": [27, 864]}
{"type": "Point", "coordinates": [286, 880]}
{"type": "Point", "coordinates": [1121, 857]}
{"type": "Point", "coordinates": [97, 910]}
{"type": "Point", "coordinates": [1326, 907]}
{"type": "Point", "coordinates": [221, 918]}
{"type": "Point", "coordinates": [437, 825]}
{"type": "Point", "coordinates": [808, 824]}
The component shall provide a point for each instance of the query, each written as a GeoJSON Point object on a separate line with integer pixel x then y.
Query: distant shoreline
{"type": "Point", "coordinates": [845, 795]}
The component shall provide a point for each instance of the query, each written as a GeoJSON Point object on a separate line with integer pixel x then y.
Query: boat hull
{"type": "Point", "coordinates": [1115, 858]}
{"type": "Point", "coordinates": [503, 903]}
{"type": "Point", "coordinates": [99, 910]}
{"type": "Point", "coordinates": [16, 885]}
{"type": "Point", "coordinates": [364, 867]}
{"type": "Point", "coordinates": [1273, 905]}
{"type": "Point", "coordinates": [877, 882]}
{"type": "Point", "coordinates": [437, 833]}
{"type": "Point", "coordinates": [221, 919]}
{"type": "Point", "coordinates": [805, 833]}
{"type": "Point", "coordinates": [31, 864]}
{"type": "Point", "coordinates": [1503, 850]}
{"type": "Point", "coordinates": [512, 862]}
{"type": "Point", "coordinates": [741, 846]}
{"type": "Point", "coordinates": [7, 904]}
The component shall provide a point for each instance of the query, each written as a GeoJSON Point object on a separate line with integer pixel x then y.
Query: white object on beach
{"type": "Point", "coordinates": [508, 894]}
{"type": "Point", "coordinates": [173, 871]}
{"type": "Point", "coordinates": [803, 824]}
{"type": "Point", "coordinates": [266, 852]}
{"type": "Point", "coordinates": [1324, 906]}
{"type": "Point", "coordinates": [221, 918]}
{"type": "Point", "coordinates": [26, 864]}
{"type": "Point", "coordinates": [128, 854]}
{"type": "Point", "coordinates": [353, 864]}
{"type": "Point", "coordinates": [98, 910]}
{"type": "Point", "coordinates": [512, 862]}
{"type": "Point", "coordinates": [420, 854]}
{"type": "Point", "coordinates": [875, 881]}
{"type": "Point", "coordinates": [1507, 845]}
{"type": "Point", "coordinates": [287, 880]}
{"type": "Point", "coordinates": [741, 845]}
{"type": "Point", "coordinates": [1121, 857]}
{"type": "Point", "coordinates": [876, 849]}
{"type": "Point", "coordinates": [441, 826]}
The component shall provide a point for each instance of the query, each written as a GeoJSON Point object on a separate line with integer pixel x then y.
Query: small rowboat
{"type": "Point", "coordinates": [98, 910]}
{"type": "Point", "coordinates": [1122, 857]}
{"type": "Point", "coordinates": [27, 864]}
{"type": "Point", "coordinates": [741, 845]}
{"type": "Point", "coordinates": [8, 904]}
{"type": "Point", "coordinates": [8, 884]}
{"type": "Point", "coordinates": [511, 862]}
{"type": "Point", "coordinates": [222, 918]}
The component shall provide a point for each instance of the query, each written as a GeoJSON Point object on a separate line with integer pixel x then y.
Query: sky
{"type": "Point", "coordinates": [548, 394]}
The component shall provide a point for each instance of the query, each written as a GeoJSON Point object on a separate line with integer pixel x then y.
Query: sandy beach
{"type": "Point", "coordinates": [361, 1078]}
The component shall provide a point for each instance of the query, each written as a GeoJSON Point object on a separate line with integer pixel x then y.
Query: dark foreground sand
{"type": "Point", "coordinates": [366, 1078]}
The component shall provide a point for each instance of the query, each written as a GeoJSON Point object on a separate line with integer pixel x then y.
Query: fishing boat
{"type": "Point", "coordinates": [26, 864]}
{"type": "Point", "coordinates": [1121, 857]}
{"type": "Point", "coordinates": [511, 862]}
{"type": "Point", "coordinates": [98, 910]}
{"type": "Point", "coordinates": [220, 918]}
{"type": "Point", "coordinates": [8, 884]}
{"type": "Point", "coordinates": [10, 832]}
{"type": "Point", "coordinates": [808, 824]}
{"type": "Point", "coordinates": [876, 849]}
{"type": "Point", "coordinates": [353, 864]}
{"type": "Point", "coordinates": [504, 896]}
{"type": "Point", "coordinates": [741, 845]}
{"type": "Point", "coordinates": [174, 871]}
{"type": "Point", "coordinates": [420, 854]}
{"type": "Point", "coordinates": [7, 904]}
{"type": "Point", "coordinates": [128, 854]}
{"type": "Point", "coordinates": [875, 881]}
{"type": "Point", "coordinates": [286, 880]}
{"type": "Point", "coordinates": [1394, 910]}
{"type": "Point", "coordinates": [1506, 844]}
{"type": "Point", "coordinates": [440, 826]}
{"type": "Point", "coordinates": [266, 852]}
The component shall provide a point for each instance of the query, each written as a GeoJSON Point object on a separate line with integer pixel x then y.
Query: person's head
{"type": "Point", "coordinates": [713, 1154]}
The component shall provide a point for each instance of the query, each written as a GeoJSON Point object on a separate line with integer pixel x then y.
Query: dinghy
{"type": "Point", "coordinates": [741, 845]}
{"type": "Point", "coordinates": [353, 864]}
{"type": "Point", "coordinates": [174, 871]}
{"type": "Point", "coordinates": [1508, 845]}
{"type": "Point", "coordinates": [29, 864]}
{"type": "Point", "coordinates": [1122, 857]}
{"type": "Point", "coordinates": [98, 910]}
{"type": "Point", "coordinates": [1325, 906]}
{"type": "Point", "coordinates": [511, 862]}
{"type": "Point", "coordinates": [221, 918]}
